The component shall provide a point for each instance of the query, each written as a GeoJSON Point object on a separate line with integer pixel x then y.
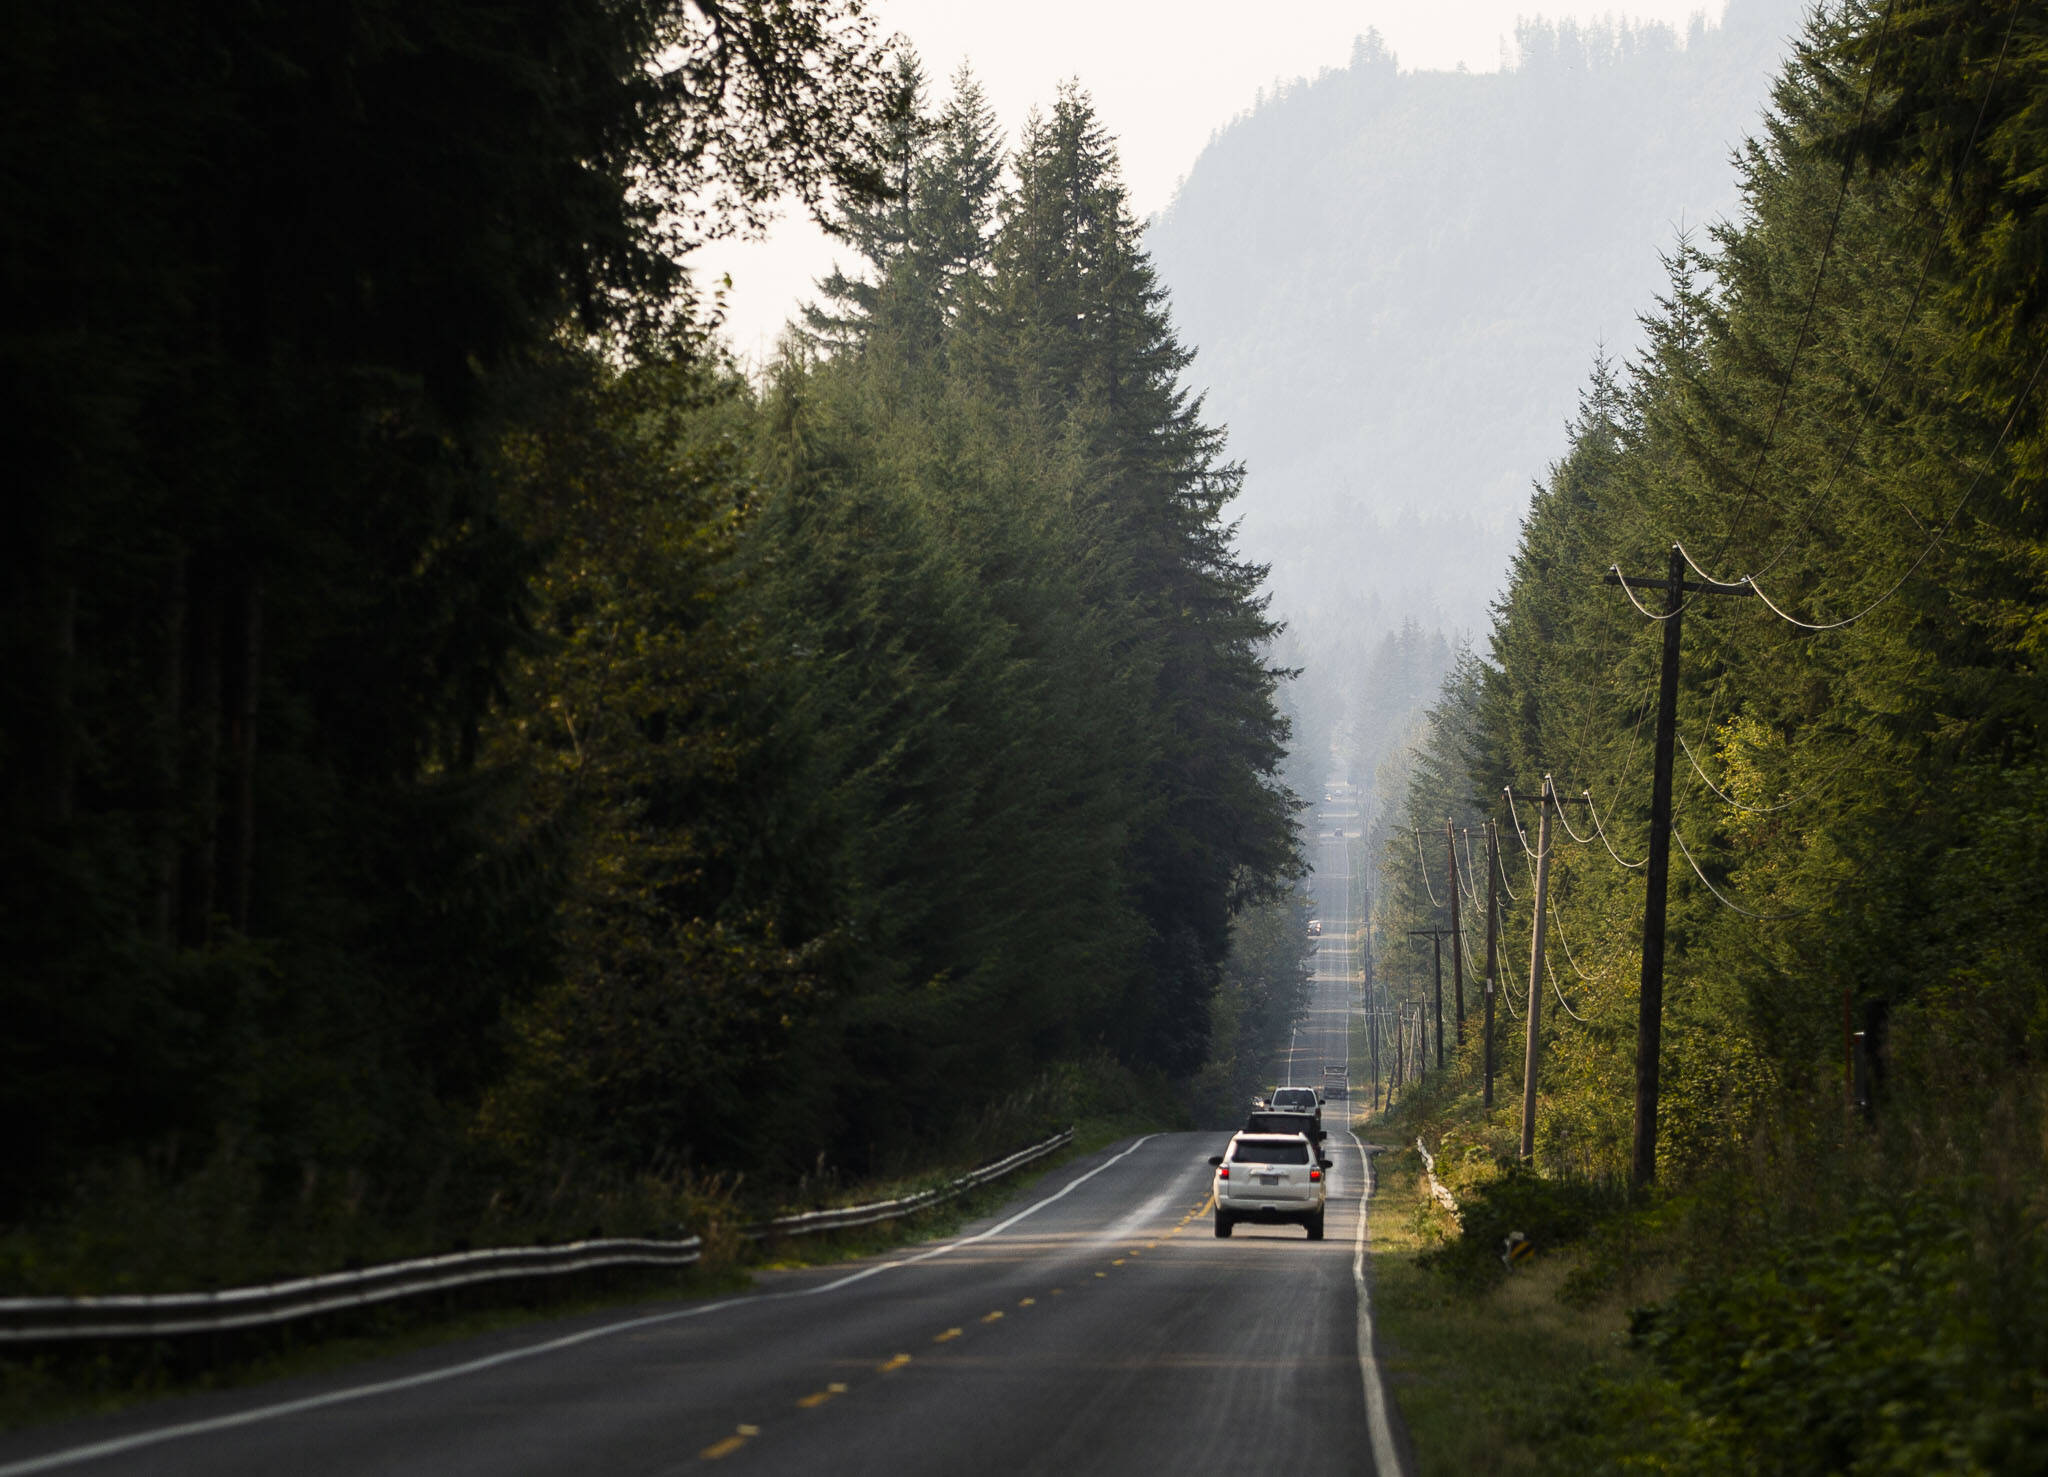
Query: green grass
{"type": "Point", "coordinates": [1488, 1381]}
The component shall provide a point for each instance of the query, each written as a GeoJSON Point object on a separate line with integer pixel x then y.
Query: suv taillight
{"type": "Point", "coordinates": [1223, 1172]}
{"type": "Point", "coordinates": [1315, 1174]}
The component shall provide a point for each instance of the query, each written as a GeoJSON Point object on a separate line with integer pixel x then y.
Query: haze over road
{"type": "Point", "coordinates": [1094, 1324]}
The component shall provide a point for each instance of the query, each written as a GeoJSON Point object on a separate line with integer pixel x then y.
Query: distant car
{"type": "Point", "coordinates": [1271, 1120]}
{"type": "Point", "coordinates": [1315, 928]}
{"type": "Point", "coordinates": [1272, 1178]}
{"type": "Point", "coordinates": [1298, 1100]}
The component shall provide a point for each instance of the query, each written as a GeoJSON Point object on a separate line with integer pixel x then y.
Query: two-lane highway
{"type": "Point", "coordinates": [1095, 1324]}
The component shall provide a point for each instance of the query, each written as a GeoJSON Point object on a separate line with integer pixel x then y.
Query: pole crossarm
{"type": "Point", "coordinates": [1663, 583]}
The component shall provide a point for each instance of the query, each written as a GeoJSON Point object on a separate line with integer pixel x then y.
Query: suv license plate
{"type": "Point", "coordinates": [1269, 1179]}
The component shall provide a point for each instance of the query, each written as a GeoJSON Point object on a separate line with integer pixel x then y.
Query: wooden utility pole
{"type": "Point", "coordinates": [1437, 935]}
{"type": "Point", "coordinates": [1492, 914]}
{"type": "Point", "coordinates": [1530, 1047]}
{"type": "Point", "coordinates": [1457, 937]}
{"type": "Point", "coordinates": [1650, 1004]}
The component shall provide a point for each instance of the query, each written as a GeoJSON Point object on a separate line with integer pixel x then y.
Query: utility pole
{"type": "Point", "coordinates": [1492, 914]}
{"type": "Point", "coordinates": [1650, 1007]}
{"type": "Point", "coordinates": [1530, 1047]}
{"type": "Point", "coordinates": [1372, 1035]}
{"type": "Point", "coordinates": [1437, 935]}
{"type": "Point", "coordinates": [1457, 937]}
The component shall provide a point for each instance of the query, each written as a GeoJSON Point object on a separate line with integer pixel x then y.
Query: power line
{"type": "Point", "coordinates": [1551, 975]}
{"type": "Point", "coordinates": [1566, 943]}
{"type": "Point", "coordinates": [1502, 867]}
{"type": "Point", "coordinates": [1726, 901]}
{"type": "Point", "coordinates": [1913, 304]}
{"type": "Point", "coordinates": [1812, 298]}
{"type": "Point", "coordinates": [1602, 832]}
{"type": "Point", "coordinates": [1423, 867]}
{"type": "Point", "coordinates": [1731, 800]}
{"type": "Point", "coordinates": [1509, 791]}
{"type": "Point", "coordinates": [1582, 840]}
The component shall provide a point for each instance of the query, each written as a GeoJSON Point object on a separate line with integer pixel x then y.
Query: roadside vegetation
{"type": "Point", "coordinates": [1840, 1265]}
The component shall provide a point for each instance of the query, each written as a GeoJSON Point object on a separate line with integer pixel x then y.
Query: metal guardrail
{"type": "Point", "coordinates": [812, 1221]}
{"type": "Point", "coordinates": [1438, 1190]}
{"type": "Point", "coordinates": [150, 1315]}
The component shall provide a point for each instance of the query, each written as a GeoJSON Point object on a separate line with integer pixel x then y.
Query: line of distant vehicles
{"type": "Point", "coordinates": [1272, 1172]}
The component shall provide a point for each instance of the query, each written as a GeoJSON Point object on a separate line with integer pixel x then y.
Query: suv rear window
{"type": "Point", "coordinates": [1270, 1151]}
{"type": "Point", "coordinates": [1295, 1097]}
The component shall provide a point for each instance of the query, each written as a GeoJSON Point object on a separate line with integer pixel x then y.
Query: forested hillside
{"type": "Point", "coordinates": [1838, 418]}
{"type": "Point", "coordinates": [469, 750]}
{"type": "Point", "coordinates": [1395, 277]}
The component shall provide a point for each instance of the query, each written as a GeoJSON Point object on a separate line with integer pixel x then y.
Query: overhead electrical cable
{"type": "Point", "coordinates": [1725, 900]}
{"type": "Point", "coordinates": [1932, 544]}
{"type": "Point", "coordinates": [1730, 799]}
{"type": "Point", "coordinates": [1501, 865]}
{"type": "Point", "coordinates": [1812, 302]}
{"type": "Point", "coordinates": [1551, 975]}
{"type": "Point", "coordinates": [1582, 840]}
{"type": "Point", "coordinates": [1558, 929]}
{"type": "Point", "coordinates": [1509, 791]}
{"type": "Point", "coordinates": [1912, 306]}
{"type": "Point", "coordinates": [1423, 867]}
{"type": "Point", "coordinates": [1601, 831]}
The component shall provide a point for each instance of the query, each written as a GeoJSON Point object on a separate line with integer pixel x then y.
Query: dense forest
{"type": "Point", "coordinates": [1838, 415]}
{"type": "Point", "coordinates": [467, 746]}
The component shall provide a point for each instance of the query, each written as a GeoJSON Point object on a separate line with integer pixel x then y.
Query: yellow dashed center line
{"type": "Point", "coordinates": [720, 1449]}
{"type": "Point", "coordinates": [1102, 1274]}
{"type": "Point", "coordinates": [897, 1363]}
{"type": "Point", "coordinates": [951, 1333]}
{"type": "Point", "coordinates": [1117, 1263]}
{"type": "Point", "coordinates": [992, 1317]}
{"type": "Point", "coordinates": [1057, 1291]}
{"type": "Point", "coordinates": [813, 1401]}
{"type": "Point", "coordinates": [1026, 1302]}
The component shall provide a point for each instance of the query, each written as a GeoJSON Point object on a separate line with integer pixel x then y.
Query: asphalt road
{"type": "Point", "coordinates": [1094, 1325]}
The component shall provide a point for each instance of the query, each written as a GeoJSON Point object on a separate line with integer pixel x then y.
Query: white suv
{"type": "Point", "coordinates": [1271, 1177]}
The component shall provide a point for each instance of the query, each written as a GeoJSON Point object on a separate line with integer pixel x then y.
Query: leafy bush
{"type": "Point", "coordinates": [1913, 1339]}
{"type": "Point", "coordinates": [1548, 1212]}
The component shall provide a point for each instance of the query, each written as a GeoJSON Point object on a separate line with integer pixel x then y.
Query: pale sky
{"type": "Point", "coordinates": [1165, 75]}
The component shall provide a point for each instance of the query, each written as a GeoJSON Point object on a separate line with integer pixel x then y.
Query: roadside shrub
{"type": "Point", "coordinates": [1549, 1213]}
{"type": "Point", "coordinates": [1912, 1339]}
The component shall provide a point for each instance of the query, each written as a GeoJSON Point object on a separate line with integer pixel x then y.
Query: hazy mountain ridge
{"type": "Point", "coordinates": [1398, 280]}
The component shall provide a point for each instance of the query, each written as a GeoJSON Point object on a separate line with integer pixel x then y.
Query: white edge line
{"type": "Point", "coordinates": [76, 1454]}
{"type": "Point", "coordinates": [1386, 1459]}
